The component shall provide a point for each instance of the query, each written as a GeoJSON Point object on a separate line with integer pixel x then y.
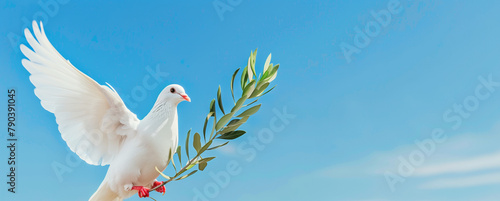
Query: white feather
{"type": "Point", "coordinates": [96, 124]}
{"type": "Point", "coordinates": [80, 104]}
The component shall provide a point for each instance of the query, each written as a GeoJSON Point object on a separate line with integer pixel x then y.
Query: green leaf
{"type": "Point", "coordinates": [220, 101]}
{"type": "Point", "coordinates": [239, 103]}
{"type": "Point", "coordinates": [251, 103]}
{"type": "Point", "coordinates": [266, 72]}
{"type": "Point", "coordinates": [172, 159]}
{"type": "Point", "coordinates": [268, 60]}
{"type": "Point", "coordinates": [169, 156]}
{"type": "Point", "coordinates": [179, 154]}
{"type": "Point", "coordinates": [267, 91]}
{"type": "Point", "coordinates": [187, 143]}
{"type": "Point", "coordinates": [161, 173]}
{"type": "Point", "coordinates": [213, 127]}
{"type": "Point", "coordinates": [186, 176]}
{"type": "Point", "coordinates": [240, 122]}
{"type": "Point", "coordinates": [191, 165]}
{"type": "Point", "coordinates": [180, 172]}
{"type": "Point", "coordinates": [232, 83]}
{"type": "Point", "coordinates": [232, 135]}
{"type": "Point", "coordinates": [260, 88]}
{"type": "Point", "coordinates": [197, 142]}
{"type": "Point", "coordinates": [205, 125]}
{"type": "Point", "coordinates": [249, 89]}
{"type": "Point", "coordinates": [233, 125]}
{"type": "Point", "coordinates": [250, 111]}
{"type": "Point", "coordinates": [254, 58]}
{"type": "Point", "coordinates": [205, 147]}
{"type": "Point", "coordinates": [218, 146]}
{"type": "Point", "coordinates": [205, 160]}
{"type": "Point", "coordinates": [223, 120]}
{"type": "Point", "coordinates": [260, 83]}
{"type": "Point", "coordinates": [202, 166]}
{"type": "Point", "coordinates": [249, 67]}
{"type": "Point", "coordinates": [244, 77]}
{"type": "Point", "coordinates": [273, 73]}
{"type": "Point", "coordinates": [227, 129]}
{"type": "Point", "coordinates": [232, 122]}
{"type": "Point", "coordinates": [212, 106]}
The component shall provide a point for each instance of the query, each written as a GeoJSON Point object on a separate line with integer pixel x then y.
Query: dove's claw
{"type": "Point", "coordinates": [143, 191]}
{"type": "Point", "coordinates": [159, 189]}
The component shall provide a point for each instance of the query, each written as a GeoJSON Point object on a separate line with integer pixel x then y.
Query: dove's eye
{"type": "Point", "coordinates": [172, 90]}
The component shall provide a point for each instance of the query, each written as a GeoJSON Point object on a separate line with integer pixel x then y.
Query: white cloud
{"type": "Point", "coordinates": [460, 182]}
{"type": "Point", "coordinates": [466, 158]}
{"type": "Point", "coordinates": [228, 149]}
{"type": "Point", "coordinates": [374, 200]}
{"type": "Point", "coordinates": [478, 163]}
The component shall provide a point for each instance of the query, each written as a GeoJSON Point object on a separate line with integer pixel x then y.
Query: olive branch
{"type": "Point", "coordinates": [224, 128]}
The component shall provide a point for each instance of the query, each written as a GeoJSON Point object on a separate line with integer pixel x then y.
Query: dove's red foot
{"type": "Point", "coordinates": [159, 189]}
{"type": "Point", "coordinates": [143, 191]}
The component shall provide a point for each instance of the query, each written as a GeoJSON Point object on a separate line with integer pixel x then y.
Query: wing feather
{"type": "Point", "coordinates": [92, 118]}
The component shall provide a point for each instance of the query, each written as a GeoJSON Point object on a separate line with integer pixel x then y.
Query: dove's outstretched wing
{"type": "Point", "coordinates": [92, 119]}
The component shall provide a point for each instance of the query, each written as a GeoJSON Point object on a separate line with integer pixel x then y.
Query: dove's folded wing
{"type": "Point", "coordinates": [92, 119]}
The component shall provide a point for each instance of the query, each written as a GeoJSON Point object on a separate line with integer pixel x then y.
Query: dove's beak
{"type": "Point", "coordinates": [186, 97]}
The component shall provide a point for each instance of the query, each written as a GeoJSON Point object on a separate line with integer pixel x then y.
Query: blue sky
{"type": "Point", "coordinates": [423, 75]}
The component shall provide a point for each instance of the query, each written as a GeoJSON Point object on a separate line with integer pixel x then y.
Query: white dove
{"type": "Point", "coordinates": [98, 127]}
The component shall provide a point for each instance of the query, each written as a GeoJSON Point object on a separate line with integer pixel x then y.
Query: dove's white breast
{"type": "Point", "coordinates": [157, 135]}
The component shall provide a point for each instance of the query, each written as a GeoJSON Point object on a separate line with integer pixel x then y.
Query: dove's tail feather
{"type": "Point", "coordinates": [103, 193]}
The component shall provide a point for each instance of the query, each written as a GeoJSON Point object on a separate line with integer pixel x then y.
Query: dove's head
{"type": "Point", "coordinates": [174, 93]}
